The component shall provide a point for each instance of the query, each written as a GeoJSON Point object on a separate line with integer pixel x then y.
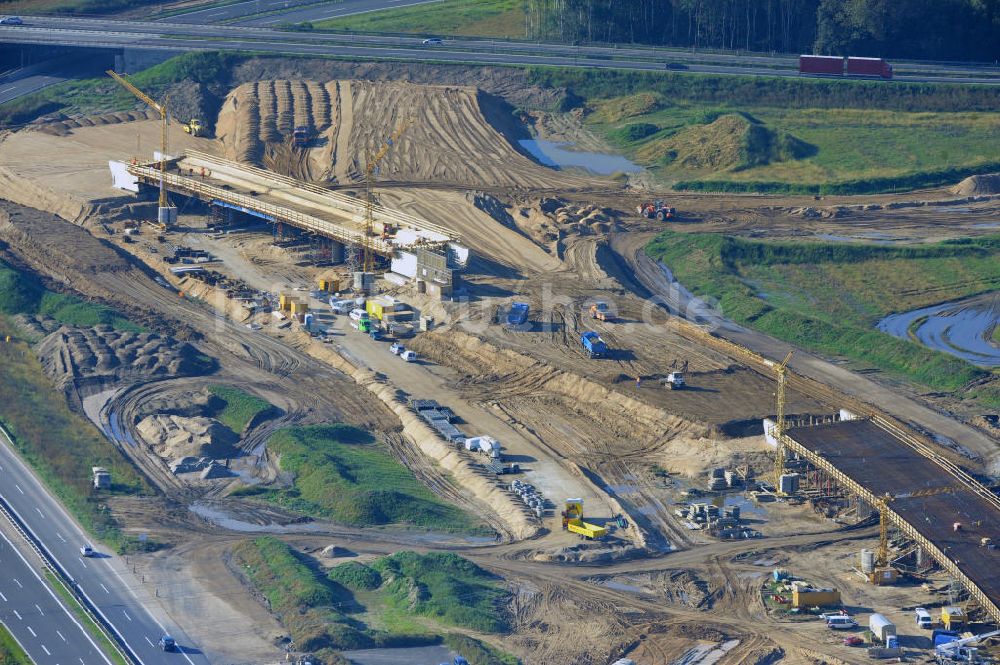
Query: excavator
{"type": "Point", "coordinates": [194, 127]}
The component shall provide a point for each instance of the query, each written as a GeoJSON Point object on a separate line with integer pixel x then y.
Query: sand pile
{"type": "Point", "coordinates": [988, 183]}
{"type": "Point", "coordinates": [102, 352]}
{"type": "Point", "coordinates": [173, 437]}
{"type": "Point", "coordinates": [452, 136]}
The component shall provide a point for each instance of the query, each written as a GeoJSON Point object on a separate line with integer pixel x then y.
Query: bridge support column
{"type": "Point", "coordinates": [132, 60]}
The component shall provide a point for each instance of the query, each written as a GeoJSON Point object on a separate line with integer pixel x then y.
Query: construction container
{"type": "Point", "coordinates": [102, 478]}
{"type": "Point", "coordinates": [328, 284]}
{"type": "Point", "coordinates": [298, 307]}
{"type": "Point", "coordinates": [883, 576]}
{"type": "Point", "coordinates": [867, 562]}
{"type": "Point", "coordinates": [788, 483]}
{"type": "Point", "coordinates": [815, 597]}
{"type": "Point", "coordinates": [952, 617]}
{"type": "Point", "coordinates": [426, 323]}
{"type": "Point", "coordinates": [285, 302]}
{"type": "Point", "coordinates": [382, 308]}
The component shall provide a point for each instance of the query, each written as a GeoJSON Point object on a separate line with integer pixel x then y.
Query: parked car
{"type": "Point", "coordinates": [397, 348]}
{"type": "Point", "coordinates": [358, 314]}
{"type": "Point", "coordinates": [11, 20]}
{"type": "Point", "coordinates": [923, 618]}
{"type": "Point", "coordinates": [843, 622]}
{"type": "Point", "coordinates": [433, 41]}
{"type": "Point", "coordinates": [853, 641]}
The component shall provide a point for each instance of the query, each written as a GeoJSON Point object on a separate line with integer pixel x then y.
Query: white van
{"type": "Point", "coordinates": [841, 623]}
{"type": "Point", "coordinates": [923, 618]}
{"type": "Point", "coordinates": [408, 356]}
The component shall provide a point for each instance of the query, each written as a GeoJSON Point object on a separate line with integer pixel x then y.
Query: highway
{"type": "Point", "coordinates": [13, 89]}
{"type": "Point", "coordinates": [35, 616]}
{"type": "Point", "coordinates": [129, 606]}
{"type": "Point", "coordinates": [107, 33]}
{"type": "Point", "coordinates": [292, 11]}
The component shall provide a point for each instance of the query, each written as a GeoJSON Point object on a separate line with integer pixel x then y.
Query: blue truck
{"type": "Point", "coordinates": [517, 317]}
{"type": "Point", "coordinates": [593, 344]}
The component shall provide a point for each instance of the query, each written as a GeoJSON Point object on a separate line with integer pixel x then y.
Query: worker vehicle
{"type": "Point", "coordinates": [958, 651]}
{"type": "Point", "coordinates": [365, 326]}
{"type": "Point", "coordinates": [835, 65]}
{"type": "Point", "coordinates": [300, 136]}
{"type": "Point", "coordinates": [853, 641]}
{"type": "Point", "coordinates": [593, 344]}
{"type": "Point", "coordinates": [841, 623]}
{"type": "Point", "coordinates": [86, 550]}
{"type": "Point", "coordinates": [432, 41]}
{"type": "Point", "coordinates": [11, 20]}
{"type": "Point", "coordinates": [675, 380]}
{"type": "Point", "coordinates": [923, 618]}
{"type": "Point", "coordinates": [572, 521]}
{"type": "Point", "coordinates": [396, 348]}
{"type": "Point", "coordinates": [408, 356]}
{"type": "Point", "coordinates": [656, 210]}
{"type": "Point", "coordinates": [600, 311]}
{"type": "Point", "coordinates": [376, 334]}
{"type": "Point", "coordinates": [517, 316]}
{"type": "Point", "coordinates": [883, 630]}
{"type": "Point", "coordinates": [952, 617]}
{"type": "Point", "coordinates": [167, 643]}
{"type": "Point", "coordinates": [194, 127]}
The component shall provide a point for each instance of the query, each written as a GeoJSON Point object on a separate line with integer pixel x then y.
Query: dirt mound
{"type": "Point", "coordinates": [69, 354]}
{"type": "Point", "coordinates": [729, 143]}
{"type": "Point", "coordinates": [173, 437]}
{"type": "Point", "coordinates": [454, 133]}
{"type": "Point", "coordinates": [622, 108]}
{"type": "Point", "coordinates": [988, 183]}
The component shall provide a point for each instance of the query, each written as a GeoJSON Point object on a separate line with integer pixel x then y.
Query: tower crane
{"type": "Point", "coordinates": [372, 160]}
{"type": "Point", "coordinates": [779, 425]}
{"type": "Point", "coordinates": [161, 108]}
{"type": "Point", "coordinates": [882, 504]}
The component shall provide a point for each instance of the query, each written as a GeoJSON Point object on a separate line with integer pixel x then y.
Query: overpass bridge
{"type": "Point", "coordinates": [925, 495]}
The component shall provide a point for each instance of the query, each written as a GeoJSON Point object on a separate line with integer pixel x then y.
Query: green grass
{"type": "Point", "coordinates": [828, 296]}
{"type": "Point", "coordinates": [477, 18]}
{"type": "Point", "coordinates": [59, 444]}
{"type": "Point", "coordinates": [85, 620]}
{"type": "Point", "coordinates": [996, 335]}
{"type": "Point", "coordinates": [11, 652]}
{"type": "Point", "coordinates": [343, 474]}
{"type": "Point", "coordinates": [22, 293]}
{"type": "Point", "coordinates": [477, 652]}
{"type": "Point", "coordinates": [235, 408]}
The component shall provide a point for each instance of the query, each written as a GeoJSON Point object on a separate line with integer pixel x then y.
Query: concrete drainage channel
{"type": "Point", "coordinates": [107, 631]}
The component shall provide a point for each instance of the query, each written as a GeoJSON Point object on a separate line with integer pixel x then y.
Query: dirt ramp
{"type": "Point", "coordinates": [454, 134]}
{"type": "Point", "coordinates": [988, 183]}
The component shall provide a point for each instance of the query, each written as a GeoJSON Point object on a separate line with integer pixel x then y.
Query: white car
{"type": "Point", "coordinates": [433, 41]}
{"type": "Point", "coordinates": [358, 314]}
{"type": "Point", "coordinates": [11, 20]}
{"type": "Point", "coordinates": [396, 348]}
{"type": "Point", "coordinates": [408, 356]}
{"type": "Point", "coordinates": [86, 550]}
{"type": "Point", "coordinates": [842, 622]}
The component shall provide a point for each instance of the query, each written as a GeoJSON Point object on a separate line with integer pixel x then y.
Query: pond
{"type": "Point", "coordinates": [551, 153]}
{"type": "Point", "coordinates": [962, 328]}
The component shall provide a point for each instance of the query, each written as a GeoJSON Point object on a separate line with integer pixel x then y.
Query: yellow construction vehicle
{"type": "Point", "coordinates": [194, 127]}
{"type": "Point", "coordinates": [572, 520]}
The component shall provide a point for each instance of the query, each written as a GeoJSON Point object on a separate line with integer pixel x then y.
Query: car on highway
{"type": "Point", "coordinates": [433, 41]}
{"type": "Point", "coordinates": [167, 643]}
{"type": "Point", "coordinates": [86, 550]}
{"type": "Point", "coordinates": [676, 66]}
{"type": "Point", "coordinates": [11, 20]}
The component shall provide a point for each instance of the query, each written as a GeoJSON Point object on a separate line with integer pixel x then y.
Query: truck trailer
{"type": "Point", "coordinates": [830, 65]}
{"type": "Point", "coordinates": [835, 65]}
{"type": "Point", "coordinates": [876, 67]}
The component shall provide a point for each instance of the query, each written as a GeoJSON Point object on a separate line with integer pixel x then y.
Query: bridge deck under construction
{"type": "Point", "coordinates": [928, 497]}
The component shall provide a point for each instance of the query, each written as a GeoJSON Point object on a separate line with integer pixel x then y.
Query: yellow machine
{"type": "Point", "coordinates": [952, 617]}
{"type": "Point", "coordinates": [194, 127]}
{"type": "Point", "coordinates": [572, 518]}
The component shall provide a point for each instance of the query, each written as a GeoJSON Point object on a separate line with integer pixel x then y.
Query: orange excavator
{"type": "Point", "coordinates": [656, 210]}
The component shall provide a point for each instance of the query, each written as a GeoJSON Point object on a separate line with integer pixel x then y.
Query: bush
{"type": "Point", "coordinates": [478, 653]}
{"type": "Point", "coordinates": [356, 576]}
{"type": "Point", "coordinates": [634, 132]}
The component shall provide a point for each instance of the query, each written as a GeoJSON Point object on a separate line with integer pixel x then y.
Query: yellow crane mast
{"type": "Point", "coordinates": [779, 425]}
{"type": "Point", "coordinates": [161, 108]}
{"type": "Point", "coordinates": [371, 166]}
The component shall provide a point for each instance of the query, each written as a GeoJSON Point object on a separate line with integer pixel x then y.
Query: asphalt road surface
{"type": "Point", "coordinates": [106, 33]}
{"type": "Point", "coordinates": [293, 11]}
{"type": "Point", "coordinates": [14, 89]}
{"type": "Point", "coordinates": [122, 600]}
{"type": "Point", "coordinates": [36, 617]}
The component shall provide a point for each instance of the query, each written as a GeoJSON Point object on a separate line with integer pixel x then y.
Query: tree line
{"type": "Point", "coordinates": [924, 29]}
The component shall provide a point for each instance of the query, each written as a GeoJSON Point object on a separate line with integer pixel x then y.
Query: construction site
{"type": "Point", "coordinates": [651, 481]}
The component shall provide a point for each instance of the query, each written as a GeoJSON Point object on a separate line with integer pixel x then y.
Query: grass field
{"type": "Point", "coordinates": [477, 18]}
{"type": "Point", "coordinates": [828, 296]}
{"type": "Point", "coordinates": [344, 475]}
{"type": "Point", "coordinates": [867, 147]}
{"type": "Point", "coordinates": [400, 600]}
{"type": "Point", "coordinates": [235, 408]}
{"type": "Point", "coordinates": [11, 652]}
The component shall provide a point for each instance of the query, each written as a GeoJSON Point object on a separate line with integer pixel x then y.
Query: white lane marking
{"type": "Point", "coordinates": [18, 615]}
{"type": "Point", "coordinates": [1, 467]}
{"type": "Point", "coordinates": [105, 589]}
{"type": "Point", "coordinates": [60, 635]}
{"type": "Point", "coordinates": [126, 615]}
{"type": "Point", "coordinates": [18, 582]}
{"type": "Point", "coordinates": [8, 90]}
{"type": "Point", "coordinates": [33, 633]}
{"type": "Point", "coordinates": [39, 607]}
{"type": "Point", "coordinates": [3, 596]}
{"type": "Point", "coordinates": [81, 661]}
{"type": "Point", "coordinates": [150, 641]}
{"type": "Point", "coordinates": [40, 513]}
{"type": "Point", "coordinates": [47, 652]}
{"type": "Point", "coordinates": [83, 563]}
{"type": "Point", "coordinates": [59, 536]}
{"type": "Point", "coordinates": [19, 488]}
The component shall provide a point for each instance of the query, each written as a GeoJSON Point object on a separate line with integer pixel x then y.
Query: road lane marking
{"type": "Point", "coordinates": [8, 90]}
{"type": "Point", "coordinates": [33, 633]}
{"type": "Point", "coordinates": [60, 635]}
{"type": "Point", "coordinates": [105, 589]}
{"type": "Point", "coordinates": [40, 513]}
{"type": "Point", "coordinates": [84, 563]}
{"type": "Point", "coordinates": [126, 615]}
{"type": "Point", "coordinates": [19, 488]}
{"type": "Point", "coordinates": [18, 582]}
{"type": "Point", "coordinates": [39, 609]}
{"type": "Point", "coordinates": [59, 535]}
{"type": "Point", "coordinates": [47, 652]}
{"type": "Point", "coordinates": [18, 615]}
{"type": "Point", "coordinates": [3, 596]}
{"type": "Point", "coordinates": [150, 641]}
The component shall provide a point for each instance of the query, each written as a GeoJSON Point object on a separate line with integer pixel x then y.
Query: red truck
{"type": "Point", "coordinates": [831, 65]}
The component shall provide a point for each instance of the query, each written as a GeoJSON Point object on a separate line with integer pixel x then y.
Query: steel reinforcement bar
{"type": "Point", "coordinates": [988, 605]}
{"type": "Point", "coordinates": [206, 192]}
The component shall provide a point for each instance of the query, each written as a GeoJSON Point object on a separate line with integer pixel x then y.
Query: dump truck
{"type": "Point", "coordinates": [572, 520]}
{"type": "Point", "coordinates": [517, 316]}
{"type": "Point", "coordinates": [194, 127]}
{"type": "Point", "coordinates": [656, 210]}
{"type": "Point", "coordinates": [600, 311]}
{"type": "Point", "coordinates": [593, 344]}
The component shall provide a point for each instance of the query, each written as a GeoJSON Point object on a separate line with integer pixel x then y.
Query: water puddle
{"type": "Point", "coordinates": [556, 155]}
{"type": "Point", "coordinates": [402, 656]}
{"type": "Point", "coordinates": [961, 328]}
{"type": "Point", "coordinates": [621, 586]}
